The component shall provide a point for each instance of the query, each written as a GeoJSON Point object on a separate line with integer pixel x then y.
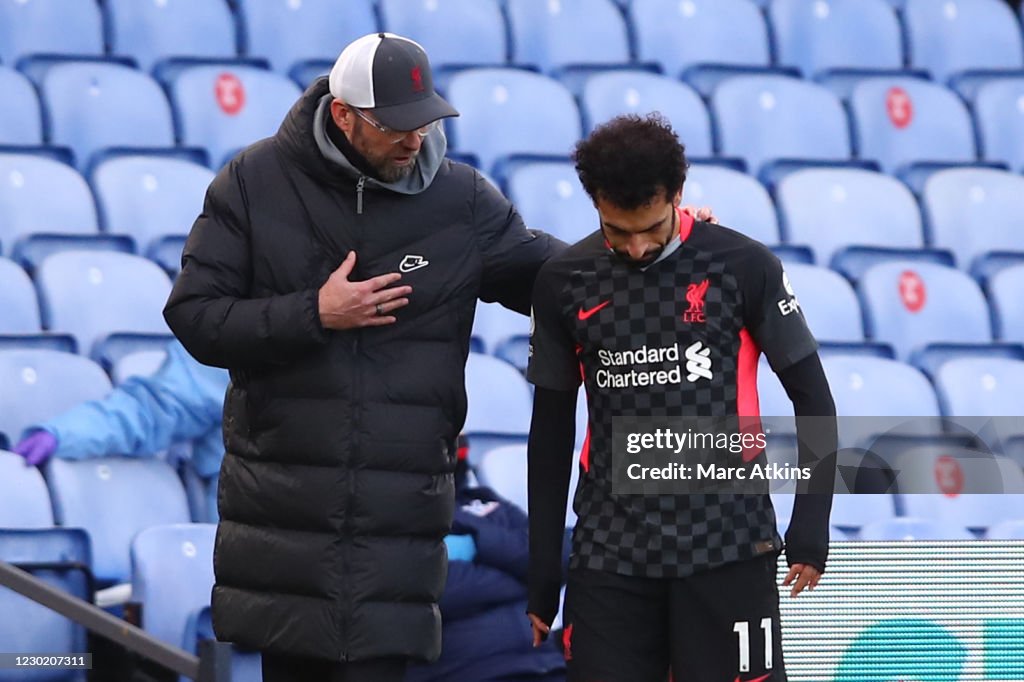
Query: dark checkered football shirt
{"type": "Point", "coordinates": [740, 304]}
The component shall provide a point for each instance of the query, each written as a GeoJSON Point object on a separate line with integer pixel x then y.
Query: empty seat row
{"type": "Point", "coordinates": [814, 35]}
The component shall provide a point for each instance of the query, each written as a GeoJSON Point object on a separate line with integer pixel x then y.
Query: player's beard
{"type": "Point", "coordinates": [382, 163]}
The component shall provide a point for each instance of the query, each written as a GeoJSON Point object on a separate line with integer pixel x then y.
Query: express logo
{"type": "Point", "coordinates": [695, 294]}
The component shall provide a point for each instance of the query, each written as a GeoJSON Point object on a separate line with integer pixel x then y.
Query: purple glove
{"type": "Point", "coordinates": [37, 447]}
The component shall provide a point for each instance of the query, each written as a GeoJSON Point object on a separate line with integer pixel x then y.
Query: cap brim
{"type": "Point", "coordinates": [414, 115]}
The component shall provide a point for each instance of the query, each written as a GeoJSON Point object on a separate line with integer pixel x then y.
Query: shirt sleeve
{"type": "Point", "coordinates": [773, 315]}
{"type": "Point", "coordinates": [553, 361]}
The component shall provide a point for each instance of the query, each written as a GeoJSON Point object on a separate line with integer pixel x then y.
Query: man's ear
{"type": "Point", "coordinates": [342, 115]}
{"type": "Point", "coordinates": [678, 198]}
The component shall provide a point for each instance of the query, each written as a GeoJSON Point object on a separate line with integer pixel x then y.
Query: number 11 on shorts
{"type": "Point", "coordinates": [742, 628]}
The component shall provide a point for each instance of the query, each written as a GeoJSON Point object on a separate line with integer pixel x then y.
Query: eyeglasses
{"type": "Point", "coordinates": [396, 136]}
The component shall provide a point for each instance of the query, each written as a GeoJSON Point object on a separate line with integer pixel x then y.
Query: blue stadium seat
{"type": "Point", "coordinates": [21, 121]}
{"type": "Point", "coordinates": [550, 197]}
{"type": "Point", "coordinates": [507, 100]}
{"type": "Point", "coordinates": [503, 469]}
{"type": "Point", "coordinates": [149, 197]}
{"type": "Point", "coordinates": [765, 118]}
{"type": "Point", "coordinates": [610, 94]}
{"type": "Point", "coordinates": [772, 399]}
{"type": "Point", "coordinates": [28, 184]}
{"type": "Point", "coordinates": [494, 323]}
{"type": "Point", "coordinates": [828, 303]}
{"type": "Point", "coordinates": [840, 34]}
{"type": "Point", "coordinates": [223, 109]}
{"type": "Point", "coordinates": [899, 121]}
{"type": "Point", "coordinates": [172, 578]}
{"type": "Point", "coordinates": [93, 293]}
{"type": "Point", "coordinates": [829, 209]}
{"type": "Point", "coordinates": [453, 32]}
{"type": "Point", "coordinates": [914, 529]}
{"type": "Point", "coordinates": [40, 384]}
{"type": "Point", "coordinates": [962, 35]}
{"type": "Point", "coordinates": [49, 27]}
{"type": "Point", "coordinates": [999, 111]}
{"type": "Point", "coordinates": [1004, 296]}
{"type": "Point", "coordinates": [166, 252]}
{"type": "Point", "coordinates": [59, 557]}
{"type": "Point", "coordinates": [19, 308]}
{"type": "Point", "coordinates": [142, 363]}
{"type": "Point", "coordinates": [286, 32]}
{"type": "Point", "coordinates": [114, 499]}
{"type": "Point", "coordinates": [153, 30]}
{"type": "Point", "coordinates": [582, 417]}
{"type": "Point", "coordinates": [26, 503]}
{"type": "Point", "coordinates": [972, 211]}
{"type": "Point", "coordinates": [984, 387]}
{"type": "Point", "coordinates": [876, 387]}
{"type": "Point", "coordinates": [1007, 530]}
{"type": "Point", "coordinates": [94, 105]}
{"type": "Point", "coordinates": [853, 512]}
{"type": "Point", "coordinates": [739, 201]}
{"type": "Point", "coordinates": [913, 304]}
{"type": "Point", "coordinates": [678, 34]}
{"type": "Point", "coordinates": [495, 417]}
{"type": "Point", "coordinates": [551, 35]}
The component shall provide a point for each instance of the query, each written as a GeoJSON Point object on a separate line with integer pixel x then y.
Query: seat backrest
{"type": "Point", "coordinates": [499, 399]}
{"type": "Point", "coordinates": [151, 30]}
{"type": "Point", "coordinates": [1004, 292]}
{"type": "Point", "coordinates": [450, 31]}
{"type": "Point", "coordinates": [903, 120]}
{"type": "Point", "coordinates": [910, 305]}
{"type": "Point", "coordinates": [494, 323]}
{"type": "Point", "coordinates": [25, 501]}
{"type": "Point", "coordinates": [999, 111]}
{"type": "Point", "coordinates": [28, 184]}
{"type": "Point", "coordinates": [289, 32]}
{"type": "Point", "coordinates": [223, 109]}
{"type": "Point", "coordinates": [828, 303]}
{"type": "Point", "coordinates": [93, 293]}
{"type": "Point", "coordinates": [958, 35]}
{"type": "Point", "coordinates": [610, 94]}
{"type": "Point", "coordinates": [49, 27]}
{"type": "Point", "coordinates": [17, 301]}
{"type": "Point", "coordinates": [914, 529]}
{"type": "Point", "coordinates": [681, 33]}
{"type": "Point", "coordinates": [1007, 530]}
{"type": "Point", "coordinates": [114, 499]}
{"type": "Point", "coordinates": [984, 387]}
{"type": "Point", "coordinates": [828, 209]}
{"type": "Point", "coordinates": [507, 100]}
{"type": "Point", "coordinates": [974, 210]}
{"type": "Point", "coordinates": [739, 201]}
{"type": "Point", "coordinates": [816, 36]}
{"type": "Point", "coordinates": [856, 511]}
{"type": "Point", "coordinates": [141, 363]}
{"type": "Point", "coordinates": [550, 197]}
{"type": "Point", "coordinates": [504, 470]}
{"type": "Point", "coordinates": [563, 32]}
{"type": "Point", "coordinates": [150, 196]}
{"type": "Point", "coordinates": [172, 577]}
{"type": "Point", "coordinates": [40, 384]}
{"type": "Point", "coordinates": [20, 117]}
{"type": "Point", "coordinates": [94, 105]}
{"type": "Point", "coordinates": [761, 118]}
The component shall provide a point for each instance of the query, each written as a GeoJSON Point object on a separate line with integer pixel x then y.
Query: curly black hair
{"type": "Point", "coordinates": [630, 159]}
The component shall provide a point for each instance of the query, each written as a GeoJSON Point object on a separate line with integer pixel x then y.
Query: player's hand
{"type": "Point", "coordinates": [804, 575]}
{"type": "Point", "coordinates": [703, 214]}
{"type": "Point", "coordinates": [541, 630]}
{"type": "Point", "coordinates": [344, 304]}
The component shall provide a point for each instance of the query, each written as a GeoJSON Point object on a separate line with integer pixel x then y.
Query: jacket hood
{"type": "Point", "coordinates": [303, 137]}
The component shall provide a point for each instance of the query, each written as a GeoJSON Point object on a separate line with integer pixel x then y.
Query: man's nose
{"type": "Point", "coordinates": [412, 141]}
{"type": "Point", "coordinates": [636, 248]}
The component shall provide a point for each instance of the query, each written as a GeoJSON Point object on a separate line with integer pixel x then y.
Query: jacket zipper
{"type": "Point", "coordinates": [359, 194]}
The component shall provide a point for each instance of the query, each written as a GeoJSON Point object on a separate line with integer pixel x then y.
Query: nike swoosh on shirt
{"type": "Point", "coordinates": [585, 314]}
{"type": "Point", "coordinates": [755, 679]}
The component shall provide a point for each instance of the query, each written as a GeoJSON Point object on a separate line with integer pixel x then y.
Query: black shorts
{"type": "Point", "coordinates": [708, 627]}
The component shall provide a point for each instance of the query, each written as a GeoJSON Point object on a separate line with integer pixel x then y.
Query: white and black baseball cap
{"type": "Point", "coordinates": [391, 76]}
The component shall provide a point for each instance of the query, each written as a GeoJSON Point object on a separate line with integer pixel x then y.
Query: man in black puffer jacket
{"type": "Point", "coordinates": [347, 385]}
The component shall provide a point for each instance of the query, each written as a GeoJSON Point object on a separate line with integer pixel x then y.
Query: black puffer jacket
{"type": "Point", "coordinates": [336, 489]}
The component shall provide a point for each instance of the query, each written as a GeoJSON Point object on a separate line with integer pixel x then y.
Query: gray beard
{"type": "Point", "coordinates": [394, 173]}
